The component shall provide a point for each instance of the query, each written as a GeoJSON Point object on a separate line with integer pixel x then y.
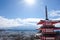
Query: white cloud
{"type": "Point", "coordinates": [5, 22]}
{"type": "Point", "coordinates": [58, 24]}
{"type": "Point", "coordinates": [54, 13]}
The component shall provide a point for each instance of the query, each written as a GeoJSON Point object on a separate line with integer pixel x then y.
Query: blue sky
{"type": "Point", "coordinates": [18, 12]}
{"type": "Point", "coordinates": [15, 8]}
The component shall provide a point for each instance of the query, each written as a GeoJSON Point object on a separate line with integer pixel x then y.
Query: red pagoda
{"type": "Point", "coordinates": [46, 31]}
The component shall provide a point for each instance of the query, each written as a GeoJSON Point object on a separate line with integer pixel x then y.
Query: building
{"type": "Point", "coordinates": [47, 29]}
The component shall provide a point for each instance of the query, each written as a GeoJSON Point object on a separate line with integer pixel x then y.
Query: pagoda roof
{"type": "Point", "coordinates": [48, 21]}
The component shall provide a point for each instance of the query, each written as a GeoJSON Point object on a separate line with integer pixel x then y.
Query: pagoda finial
{"type": "Point", "coordinates": [46, 12]}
